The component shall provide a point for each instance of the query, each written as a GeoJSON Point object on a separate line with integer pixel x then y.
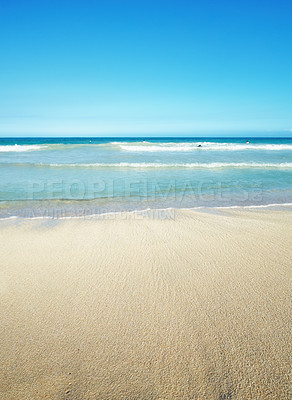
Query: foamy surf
{"type": "Point", "coordinates": [20, 148]}
{"type": "Point", "coordinates": [172, 165]}
{"type": "Point", "coordinates": [200, 146]}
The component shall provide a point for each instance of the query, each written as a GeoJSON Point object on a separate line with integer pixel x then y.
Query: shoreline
{"type": "Point", "coordinates": [196, 307]}
{"type": "Point", "coordinates": [281, 206]}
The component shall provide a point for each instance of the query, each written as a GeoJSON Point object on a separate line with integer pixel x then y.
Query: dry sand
{"type": "Point", "coordinates": [192, 308]}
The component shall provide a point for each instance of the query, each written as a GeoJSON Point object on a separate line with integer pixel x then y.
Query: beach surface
{"type": "Point", "coordinates": [136, 307]}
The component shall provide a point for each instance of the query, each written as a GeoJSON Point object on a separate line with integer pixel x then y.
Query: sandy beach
{"type": "Point", "coordinates": [195, 307]}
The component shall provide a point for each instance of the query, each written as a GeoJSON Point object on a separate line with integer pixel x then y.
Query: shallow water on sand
{"type": "Point", "coordinates": [72, 176]}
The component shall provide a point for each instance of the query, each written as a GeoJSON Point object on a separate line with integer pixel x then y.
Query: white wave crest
{"type": "Point", "coordinates": [20, 148]}
{"type": "Point", "coordinates": [175, 165]}
{"type": "Point", "coordinates": [199, 146]}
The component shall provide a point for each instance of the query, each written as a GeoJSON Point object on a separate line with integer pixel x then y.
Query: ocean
{"type": "Point", "coordinates": [65, 177]}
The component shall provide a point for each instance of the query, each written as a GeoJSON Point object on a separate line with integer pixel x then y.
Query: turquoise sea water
{"type": "Point", "coordinates": [85, 176]}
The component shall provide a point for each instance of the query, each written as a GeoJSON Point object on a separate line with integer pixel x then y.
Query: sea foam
{"type": "Point", "coordinates": [199, 146]}
{"type": "Point", "coordinates": [171, 165]}
{"type": "Point", "coordinates": [20, 148]}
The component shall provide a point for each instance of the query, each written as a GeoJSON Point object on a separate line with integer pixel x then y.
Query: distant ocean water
{"type": "Point", "coordinates": [85, 176]}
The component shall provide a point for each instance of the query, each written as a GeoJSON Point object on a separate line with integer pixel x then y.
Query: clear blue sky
{"type": "Point", "coordinates": [124, 67]}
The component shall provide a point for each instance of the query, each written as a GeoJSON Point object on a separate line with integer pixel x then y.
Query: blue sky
{"type": "Point", "coordinates": [145, 67]}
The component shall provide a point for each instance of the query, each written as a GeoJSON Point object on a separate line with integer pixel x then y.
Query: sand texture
{"type": "Point", "coordinates": [197, 307]}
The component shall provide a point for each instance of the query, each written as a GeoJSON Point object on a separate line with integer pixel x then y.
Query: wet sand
{"type": "Point", "coordinates": [197, 307]}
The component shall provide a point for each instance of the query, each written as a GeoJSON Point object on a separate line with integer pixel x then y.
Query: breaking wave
{"type": "Point", "coordinates": [199, 146]}
{"type": "Point", "coordinates": [20, 148]}
{"type": "Point", "coordinates": [159, 165]}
